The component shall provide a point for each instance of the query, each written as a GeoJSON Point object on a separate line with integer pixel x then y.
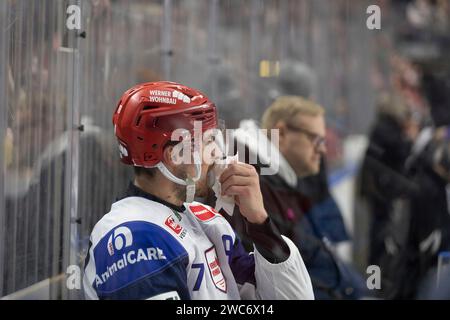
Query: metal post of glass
{"type": "Point", "coordinates": [3, 123]}
{"type": "Point", "coordinates": [166, 36]}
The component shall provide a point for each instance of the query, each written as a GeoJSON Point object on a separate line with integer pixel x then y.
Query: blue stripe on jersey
{"type": "Point", "coordinates": [242, 264]}
{"type": "Point", "coordinates": [138, 251]}
{"type": "Point", "coordinates": [173, 278]}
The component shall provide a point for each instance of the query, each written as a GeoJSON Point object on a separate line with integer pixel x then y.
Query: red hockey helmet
{"type": "Point", "coordinates": [148, 113]}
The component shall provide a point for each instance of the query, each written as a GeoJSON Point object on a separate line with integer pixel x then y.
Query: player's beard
{"type": "Point", "coordinates": [201, 186]}
{"type": "Point", "coordinates": [180, 190]}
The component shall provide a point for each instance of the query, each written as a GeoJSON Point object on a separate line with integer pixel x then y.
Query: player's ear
{"type": "Point", "coordinates": [282, 130]}
{"type": "Point", "coordinates": [173, 155]}
{"type": "Point", "coordinates": [167, 157]}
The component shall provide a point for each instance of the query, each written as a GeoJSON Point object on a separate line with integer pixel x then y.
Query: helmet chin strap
{"type": "Point", "coordinates": [189, 182]}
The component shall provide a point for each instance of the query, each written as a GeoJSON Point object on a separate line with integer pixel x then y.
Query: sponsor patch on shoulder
{"type": "Point", "coordinates": [175, 227]}
{"type": "Point", "coordinates": [202, 212]}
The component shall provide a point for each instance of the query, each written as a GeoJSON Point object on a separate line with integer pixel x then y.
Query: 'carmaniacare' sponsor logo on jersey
{"type": "Point", "coordinates": [131, 251]}
{"type": "Point", "coordinates": [169, 97]}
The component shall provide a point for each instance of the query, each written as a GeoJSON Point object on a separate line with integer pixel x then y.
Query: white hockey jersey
{"type": "Point", "coordinates": [143, 249]}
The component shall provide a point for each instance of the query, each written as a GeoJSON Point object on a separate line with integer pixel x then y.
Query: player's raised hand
{"type": "Point", "coordinates": [241, 181]}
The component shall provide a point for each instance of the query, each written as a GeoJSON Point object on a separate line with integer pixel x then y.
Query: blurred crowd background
{"type": "Point", "coordinates": [386, 94]}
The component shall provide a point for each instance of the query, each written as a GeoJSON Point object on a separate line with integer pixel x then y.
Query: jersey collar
{"type": "Point", "coordinates": [134, 191]}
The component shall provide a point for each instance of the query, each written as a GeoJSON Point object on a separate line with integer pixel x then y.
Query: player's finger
{"type": "Point", "coordinates": [238, 191]}
{"type": "Point", "coordinates": [235, 169]}
{"type": "Point", "coordinates": [235, 180]}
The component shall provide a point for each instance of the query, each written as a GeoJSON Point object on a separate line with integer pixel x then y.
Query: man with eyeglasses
{"type": "Point", "coordinates": [301, 126]}
{"type": "Point", "coordinates": [301, 145]}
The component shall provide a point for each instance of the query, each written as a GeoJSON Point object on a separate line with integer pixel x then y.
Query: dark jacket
{"type": "Point", "coordinates": [324, 213]}
{"type": "Point", "coordinates": [382, 180]}
{"type": "Point", "coordinates": [429, 230]}
{"type": "Point", "coordinates": [330, 277]}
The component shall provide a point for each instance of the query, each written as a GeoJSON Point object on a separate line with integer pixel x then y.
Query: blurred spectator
{"type": "Point", "coordinates": [30, 243]}
{"type": "Point", "coordinates": [230, 96]}
{"type": "Point", "coordinates": [436, 85]}
{"type": "Point", "coordinates": [382, 178]}
{"type": "Point", "coordinates": [428, 14]}
{"type": "Point", "coordinates": [298, 79]}
{"type": "Point", "coordinates": [36, 192]}
{"type": "Point", "coordinates": [429, 227]}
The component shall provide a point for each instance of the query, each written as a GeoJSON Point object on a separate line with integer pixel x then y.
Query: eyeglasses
{"type": "Point", "coordinates": [316, 139]}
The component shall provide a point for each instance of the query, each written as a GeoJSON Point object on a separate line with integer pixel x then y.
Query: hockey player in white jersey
{"type": "Point", "coordinates": [156, 242]}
